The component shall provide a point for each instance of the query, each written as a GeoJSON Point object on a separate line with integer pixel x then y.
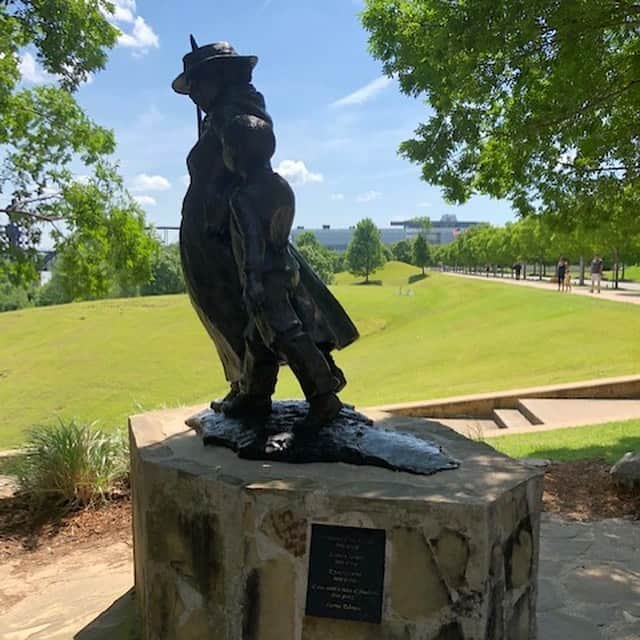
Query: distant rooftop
{"type": "Point", "coordinates": [447, 221]}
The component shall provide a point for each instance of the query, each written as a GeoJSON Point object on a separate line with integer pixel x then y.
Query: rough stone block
{"type": "Point", "coordinates": [222, 544]}
{"type": "Point", "coordinates": [626, 472]}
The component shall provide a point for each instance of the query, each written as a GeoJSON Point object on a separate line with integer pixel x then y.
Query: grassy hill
{"type": "Point", "coordinates": [436, 337]}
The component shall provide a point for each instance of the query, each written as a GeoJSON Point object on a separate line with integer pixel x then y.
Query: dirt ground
{"type": "Point", "coordinates": [576, 490]}
{"type": "Point", "coordinates": [583, 490]}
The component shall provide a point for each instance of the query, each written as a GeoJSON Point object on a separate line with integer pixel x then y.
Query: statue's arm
{"type": "Point", "coordinates": [248, 143]}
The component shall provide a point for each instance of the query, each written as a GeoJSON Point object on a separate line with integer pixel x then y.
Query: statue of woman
{"type": "Point", "coordinates": [260, 301]}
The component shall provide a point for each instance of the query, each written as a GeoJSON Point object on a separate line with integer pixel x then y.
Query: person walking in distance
{"type": "Point", "coordinates": [567, 277]}
{"type": "Point", "coordinates": [561, 270]}
{"type": "Point", "coordinates": [597, 267]}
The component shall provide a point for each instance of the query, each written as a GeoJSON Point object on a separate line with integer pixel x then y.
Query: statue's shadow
{"type": "Point", "coordinates": [351, 438]}
{"type": "Point", "coordinates": [118, 622]}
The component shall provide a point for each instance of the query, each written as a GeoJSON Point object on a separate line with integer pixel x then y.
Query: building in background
{"type": "Point", "coordinates": [442, 231]}
{"type": "Point", "coordinates": [339, 239]}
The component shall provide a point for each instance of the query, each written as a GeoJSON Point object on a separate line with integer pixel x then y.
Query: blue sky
{"type": "Point", "coordinates": [338, 120]}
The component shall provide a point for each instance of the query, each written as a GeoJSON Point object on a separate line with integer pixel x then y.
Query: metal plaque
{"type": "Point", "coordinates": [346, 573]}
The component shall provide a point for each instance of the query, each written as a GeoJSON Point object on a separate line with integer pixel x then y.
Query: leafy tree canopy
{"type": "Point", "coordinates": [537, 101]}
{"type": "Point", "coordinates": [403, 251]}
{"type": "Point", "coordinates": [421, 222]}
{"type": "Point", "coordinates": [44, 133]}
{"type": "Point", "coordinates": [319, 257]}
{"type": "Point", "coordinates": [365, 253]}
{"type": "Point", "coordinates": [166, 272]}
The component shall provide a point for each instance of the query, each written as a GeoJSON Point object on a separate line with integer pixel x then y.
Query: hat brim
{"type": "Point", "coordinates": [182, 84]}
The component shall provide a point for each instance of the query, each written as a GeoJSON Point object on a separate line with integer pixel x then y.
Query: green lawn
{"type": "Point", "coordinates": [631, 273]}
{"type": "Point", "coordinates": [105, 360]}
{"type": "Point", "coordinates": [608, 441]}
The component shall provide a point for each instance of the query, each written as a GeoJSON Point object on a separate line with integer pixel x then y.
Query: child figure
{"type": "Point", "coordinates": [567, 276]}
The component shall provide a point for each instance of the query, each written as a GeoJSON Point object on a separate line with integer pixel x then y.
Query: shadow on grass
{"type": "Point", "coordinates": [417, 277]}
{"type": "Point", "coordinates": [118, 622]}
{"type": "Point", "coordinates": [609, 453]}
{"type": "Point", "coordinates": [376, 283]}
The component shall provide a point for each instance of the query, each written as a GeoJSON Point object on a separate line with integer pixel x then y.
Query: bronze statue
{"type": "Point", "coordinates": [260, 301]}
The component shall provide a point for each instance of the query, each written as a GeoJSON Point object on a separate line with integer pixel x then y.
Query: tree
{"type": "Point", "coordinates": [537, 102]}
{"type": "Point", "coordinates": [44, 133]}
{"type": "Point", "coordinates": [166, 272]}
{"type": "Point", "coordinates": [319, 257]}
{"type": "Point", "coordinates": [13, 297]}
{"type": "Point", "coordinates": [364, 254]}
{"type": "Point", "coordinates": [402, 251]}
{"type": "Point", "coordinates": [113, 254]}
{"type": "Point", "coordinates": [420, 252]}
{"type": "Point", "coordinates": [421, 222]}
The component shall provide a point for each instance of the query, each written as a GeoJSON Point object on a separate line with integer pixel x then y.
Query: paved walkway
{"type": "Point", "coordinates": [589, 588]}
{"type": "Point", "coordinates": [630, 293]}
{"type": "Point", "coordinates": [589, 580]}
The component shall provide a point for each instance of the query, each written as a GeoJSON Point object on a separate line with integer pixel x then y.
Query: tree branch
{"type": "Point", "coordinates": [12, 211]}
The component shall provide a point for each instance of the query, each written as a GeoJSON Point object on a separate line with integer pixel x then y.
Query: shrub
{"type": "Point", "coordinates": [72, 463]}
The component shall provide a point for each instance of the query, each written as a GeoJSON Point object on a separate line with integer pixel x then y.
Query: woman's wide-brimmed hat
{"type": "Point", "coordinates": [216, 53]}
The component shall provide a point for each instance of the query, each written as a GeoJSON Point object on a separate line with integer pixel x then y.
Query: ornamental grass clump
{"type": "Point", "coordinates": [74, 464]}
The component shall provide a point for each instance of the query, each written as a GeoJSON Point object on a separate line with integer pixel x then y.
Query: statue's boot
{"type": "Point", "coordinates": [234, 390]}
{"type": "Point", "coordinates": [336, 371]}
{"type": "Point", "coordinates": [247, 405]}
{"type": "Point", "coordinates": [322, 410]}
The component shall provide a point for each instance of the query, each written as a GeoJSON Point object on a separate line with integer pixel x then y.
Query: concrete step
{"type": "Point", "coordinates": [528, 409]}
{"type": "Point", "coordinates": [472, 428]}
{"type": "Point", "coordinates": [510, 419]}
{"type": "Point", "coordinates": [575, 412]}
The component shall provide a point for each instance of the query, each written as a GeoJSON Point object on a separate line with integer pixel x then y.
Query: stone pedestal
{"type": "Point", "coordinates": [222, 545]}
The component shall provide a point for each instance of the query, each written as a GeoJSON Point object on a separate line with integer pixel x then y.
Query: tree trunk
{"type": "Point", "coordinates": [582, 267]}
{"type": "Point", "coordinates": [616, 257]}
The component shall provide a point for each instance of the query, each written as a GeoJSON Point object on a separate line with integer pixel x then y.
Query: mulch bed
{"type": "Point", "coordinates": [576, 490]}
{"type": "Point", "coordinates": [23, 533]}
{"type": "Point", "coordinates": [583, 490]}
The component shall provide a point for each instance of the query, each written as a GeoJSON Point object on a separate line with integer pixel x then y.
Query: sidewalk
{"type": "Point", "coordinates": [630, 292]}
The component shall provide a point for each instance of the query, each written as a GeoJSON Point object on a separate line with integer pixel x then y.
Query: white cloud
{"type": "Point", "coordinates": [364, 94]}
{"type": "Point", "coordinates": [32, 72]}
{"type": "Point", "coordinates": [142, 37]}
{"type": "Point", "coordinates": [124, 10]}
{"type": "Point", "coordinates": [337, 196]}
{"type": "Point", "coordinates": [145, 182]}
{"type": "Point", "coordinates": [368, 196]}
{"type": "Point", "coordinates": [296, 172]}
{"type": "Point", "coordinates": [139, 36]}
{"type": "Point", "coordinates": [424, 205]}
{"type": "Point", "coordinates": [185, 179]}
{"type": "Point", "coordinates": [145, 201]}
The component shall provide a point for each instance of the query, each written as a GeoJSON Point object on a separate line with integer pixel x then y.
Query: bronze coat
{"type": "Point", "coordinates": [209, 267]}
